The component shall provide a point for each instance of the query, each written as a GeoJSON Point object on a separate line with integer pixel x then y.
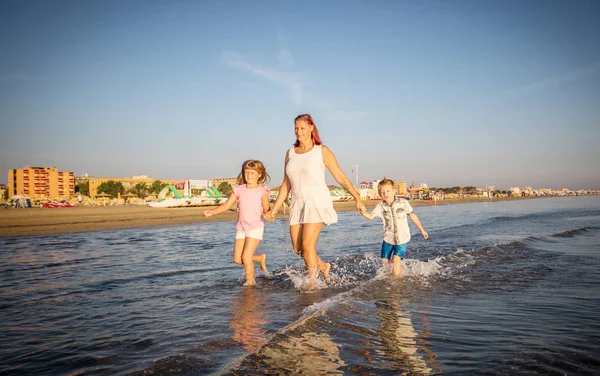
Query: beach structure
{"type": "Point", "coordinates": [41, 182]}
{"type": "Point", "coordinates": [128, 183]}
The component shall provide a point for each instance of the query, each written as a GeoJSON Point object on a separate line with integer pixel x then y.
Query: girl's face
{"type": "Point", "coordinates": [251, 176]}
{"type": "Point", "coordinates": [303, 130]}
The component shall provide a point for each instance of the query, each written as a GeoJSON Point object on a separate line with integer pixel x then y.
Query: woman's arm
{"type": "Point", "coordinates": [223, 207]}
{"type": "Point", "coordinates": [339, 176]}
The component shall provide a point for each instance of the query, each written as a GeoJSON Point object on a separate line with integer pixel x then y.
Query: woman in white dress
{"type": "Point", "coordinates": [311, 206]}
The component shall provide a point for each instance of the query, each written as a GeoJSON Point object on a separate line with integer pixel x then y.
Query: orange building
{"type": "Point", "coordinates": [41, 182]}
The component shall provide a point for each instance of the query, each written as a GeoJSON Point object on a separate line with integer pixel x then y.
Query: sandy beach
{"type": "Point", "coordinates": [45, 221]}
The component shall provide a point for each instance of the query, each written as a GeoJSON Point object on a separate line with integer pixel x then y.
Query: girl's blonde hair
{"type": "Point", "coordinates": [257, 166]}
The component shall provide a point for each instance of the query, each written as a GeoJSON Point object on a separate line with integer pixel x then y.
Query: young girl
{"type": "Point", "coordinates": [252, 200]}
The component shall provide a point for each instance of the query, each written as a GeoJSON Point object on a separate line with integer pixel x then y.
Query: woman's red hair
{"type": "Point", "coordinates": [315, 133]}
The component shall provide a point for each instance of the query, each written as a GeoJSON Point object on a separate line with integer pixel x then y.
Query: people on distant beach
{"type": "Point", "coordinates": [252, 201]}
{"type": "Point", "coordinates": [393, 213]}
{"type": "Point", "coordinates": [311, 206]}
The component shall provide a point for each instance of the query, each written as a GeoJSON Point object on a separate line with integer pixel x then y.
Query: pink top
{"type": "Point", "coordinates": [250, 209]}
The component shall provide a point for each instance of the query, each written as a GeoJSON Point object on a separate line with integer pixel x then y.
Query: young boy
{"type": "Point", "coordinates": [396, 234]}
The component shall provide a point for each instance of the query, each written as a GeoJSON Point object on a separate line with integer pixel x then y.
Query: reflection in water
{"type": "Point", "coordinates": [309, 353]}
{"type": "Point", "coordinates": [399, 338]}
{"type": "Point", "coordinates": [249, 318]}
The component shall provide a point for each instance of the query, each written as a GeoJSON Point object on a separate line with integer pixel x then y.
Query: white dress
{"type": "Point", "coordinates": [311, 202]}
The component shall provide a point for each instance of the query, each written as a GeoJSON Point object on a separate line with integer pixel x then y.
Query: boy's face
{"type": "Point", "coordinates": [387, 193]}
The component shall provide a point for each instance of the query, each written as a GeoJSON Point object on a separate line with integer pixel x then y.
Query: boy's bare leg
{"type": "Point", "coordinates": [397, 268]}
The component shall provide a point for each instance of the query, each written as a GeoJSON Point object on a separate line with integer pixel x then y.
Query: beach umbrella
{"type": "Point", "coordinates": [102, 195]}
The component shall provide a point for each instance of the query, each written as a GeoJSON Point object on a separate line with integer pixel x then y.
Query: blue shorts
{"type": "Point", "coordinates": [386, 250]}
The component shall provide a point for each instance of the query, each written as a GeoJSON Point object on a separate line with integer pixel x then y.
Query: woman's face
{"type": "Point", "coordinates": [303, 130]}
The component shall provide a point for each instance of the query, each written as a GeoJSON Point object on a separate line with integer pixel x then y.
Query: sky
{"type": "Point", "coordinates": [447, 93]}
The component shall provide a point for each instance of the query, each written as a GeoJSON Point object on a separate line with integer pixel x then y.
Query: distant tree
{"type": "Point", "coordinates": [83, 188]}
{"type": "Point", "coordinates": [225, 188]}
{"type": "Point", "coordinates": [455, 190]}
{"type": "Point", "coordinates": [469, 189]}
{"type": "Point", "coordinates": [157, 186]}
{"type": "Point", "coordinates": [111, 188]}
{"type": "Point", "coordinates": [140, 189]}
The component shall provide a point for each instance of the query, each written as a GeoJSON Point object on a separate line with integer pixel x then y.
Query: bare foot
{"type": "Point", "coordinates": [325, 271]}
{"type": "Point", "coordinates": [263, 263]}
{"type": "Point", "coordinates": [249, 283]}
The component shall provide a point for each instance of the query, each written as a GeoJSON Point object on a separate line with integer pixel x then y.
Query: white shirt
{"type": "Point", "coordinates": [395, 221]}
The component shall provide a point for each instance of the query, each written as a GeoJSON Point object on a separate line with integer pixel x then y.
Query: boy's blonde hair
{"type": "Point", "coordinates": [253, 164]}
{"type": "Point", "coordinates": [385, 181]}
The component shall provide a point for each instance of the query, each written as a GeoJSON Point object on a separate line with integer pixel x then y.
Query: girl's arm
{"type": "Point", "coordinates": [283, 191]}
{"type": "Point", "coordinates": [339, 176]}
{"type": "Point", "coordinates": [265, 203]}
{"type": "Point", "coordinates": [415, 219]}
{"type": "Point", "coordinates": [223, 207]}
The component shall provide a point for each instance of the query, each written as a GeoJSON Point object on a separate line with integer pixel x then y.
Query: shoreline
{"type": "Point", "coordinates": [45, 221]}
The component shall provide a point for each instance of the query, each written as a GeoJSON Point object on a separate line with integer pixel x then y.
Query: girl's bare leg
{"type": "Point", "coordinates": [238, 248]}
{"type": "Point", "coordinates": [250, 246]}
{"type": "Point", "coordinates": [262, 260]}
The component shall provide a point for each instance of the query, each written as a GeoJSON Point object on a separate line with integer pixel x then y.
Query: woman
{"type": "Point", "coordinates": [311, 206]}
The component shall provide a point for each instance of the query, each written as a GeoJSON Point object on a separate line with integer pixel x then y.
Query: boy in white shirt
{"type": "Point", "coordinates": [396, 234]}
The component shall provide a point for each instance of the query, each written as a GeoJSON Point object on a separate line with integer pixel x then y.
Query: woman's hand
{"type": "Point", "coordinates": [269, 216]}
{"type": "Point", "coordinates": [360, 207]}
{"type": "Point", "coordinates": [207, 213]}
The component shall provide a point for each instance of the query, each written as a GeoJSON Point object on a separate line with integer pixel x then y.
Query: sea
{"type": "Point", "coordinates": [500, 288]}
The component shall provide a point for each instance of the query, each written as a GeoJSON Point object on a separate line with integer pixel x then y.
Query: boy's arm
{"type": "Point", "coordinates": [223, 207]}
{"type": "Point", "coordinates": [415, 219]}
{"type": "Point", "coordinates": [369, 216]}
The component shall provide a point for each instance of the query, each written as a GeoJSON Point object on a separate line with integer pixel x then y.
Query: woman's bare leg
{"type": "Point", "coordinates": [297, 235]}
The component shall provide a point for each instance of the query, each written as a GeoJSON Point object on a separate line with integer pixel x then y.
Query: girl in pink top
{"type": "Point", "coordinates": [252, 200]}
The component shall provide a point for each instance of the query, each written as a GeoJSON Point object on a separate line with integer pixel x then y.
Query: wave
{"type": "Point", "coordinates": [579, 231]}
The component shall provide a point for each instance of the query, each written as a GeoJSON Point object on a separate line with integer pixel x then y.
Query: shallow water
{"type": "Point", "coordinates": [499, 288]}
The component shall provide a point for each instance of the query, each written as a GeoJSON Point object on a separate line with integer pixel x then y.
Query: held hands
{"type": "Point", "coordinates": [269, 216]}
{"type": "Point", "coordinates": [360, 207]}
{"type": "Point", "coordinates": [207, 213]}
{"type": "Point", "coordinates": [425, 234]}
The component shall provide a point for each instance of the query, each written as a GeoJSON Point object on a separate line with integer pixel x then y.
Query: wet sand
{"type": "Point", "coordinates": [45, 221]}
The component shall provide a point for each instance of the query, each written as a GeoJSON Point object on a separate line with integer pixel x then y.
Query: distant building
{"type": "Point", "coordinates": [217, 181]}
{"type": "Point", "coordinates": [128, 183]}
{"type": "Point", "coordinates": [400, 188]}
{"type": "Point", "coordinates": [82, 178]}
{"type": "Point", "coordinates": [198, 184]}
{"type": "Point", "coordinates": [41, 182]}
{"type": "Point", "coordinates": [3, 188]}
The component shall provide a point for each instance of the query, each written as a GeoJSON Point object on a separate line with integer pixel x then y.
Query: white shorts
{"type": "Point", "coordinates": [256, 233]}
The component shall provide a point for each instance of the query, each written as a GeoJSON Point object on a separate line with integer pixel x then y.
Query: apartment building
{"type": "Point", "coordinates": [41, 182]}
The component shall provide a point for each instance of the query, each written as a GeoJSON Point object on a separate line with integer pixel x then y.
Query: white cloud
{"type": "Point", "coordinates": [549, 82]}
{"type": "Point", "coordinates": [286, 78]}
